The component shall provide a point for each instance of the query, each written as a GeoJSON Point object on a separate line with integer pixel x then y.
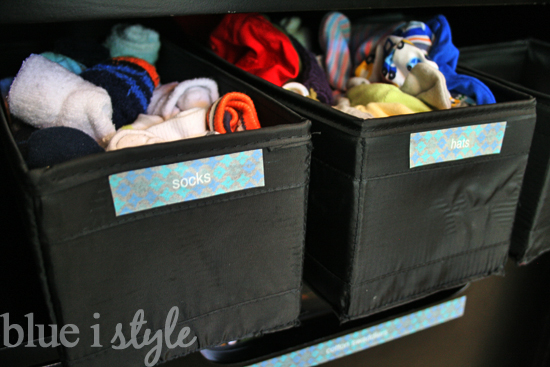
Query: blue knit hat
{"type": "Point", "coordinates": [129, 85]}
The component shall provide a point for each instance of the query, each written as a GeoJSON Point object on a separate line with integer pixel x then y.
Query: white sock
{"type": "Point", "coordinates": [200, 92]}
{"type": "Point", "coordinates": [186, 124]}
{"type": "Point", "coordinates": [45, 94]}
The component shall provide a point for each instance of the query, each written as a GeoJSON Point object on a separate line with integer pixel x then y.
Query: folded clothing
{"type": "Point", "coordinates": [233, 112]}
{"type": "Point", "coordinates": [312, 76]}
{"type": "Point", "coordinates": [45, 94]}
{"type": "Point", "coordinates": [134, 40]}
{"type": "Point", "coordinates": [364, 94]}
{"type": "Point", "coordinates": [384, 109]}
{"type": "Point", "coordinates": [253, 44]}
{"type": "Point", "coordinates": [129, 85]}
{"type": "Point", "coordinates": [445, 54]}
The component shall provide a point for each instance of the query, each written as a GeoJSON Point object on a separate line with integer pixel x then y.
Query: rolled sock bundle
{"type": "Point", "coordinates": [171, 99]}
{"type": "Point", "coordinates": [134, 40]}
{"type": "Point", "coordinates": [159, 97]}
{"type": "Point", "coordinates": [65, 61]}
{"type": "Point", "coordinates": [186, 124]}
{"type": "Point", "coordinates": [55, 145]}
{"type": "Point", "coordinates": [129, 85]}
{"type": "Point", "coordinates": [151, 70]}
{"type": "Point", "coordinates": [45, 94]}
{"type": "Point", "coordinates": [132, 138]}
{"type": "Point", "coordinates": [233, 112]}
{"type": "Point", "coordinates": [144, 122]}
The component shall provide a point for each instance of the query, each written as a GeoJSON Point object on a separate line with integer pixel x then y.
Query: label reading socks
{"type": "Point", "coordinates": [452, 144]}
{"type": "Point", "coordinates": [153, 187]}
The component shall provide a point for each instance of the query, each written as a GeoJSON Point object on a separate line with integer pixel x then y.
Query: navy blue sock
{"type": "Point", "coordinates": [54, 145]}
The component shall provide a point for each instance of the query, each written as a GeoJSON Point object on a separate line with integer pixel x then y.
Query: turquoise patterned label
{"type": "Point", "coordinates": [153, 187]}
{"type": "Point", "coordinates": [456, 143]}
{"type": "Point", "coordinates": [369, 337]}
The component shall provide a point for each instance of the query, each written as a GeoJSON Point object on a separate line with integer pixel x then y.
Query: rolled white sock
{"type": "Point", "coordinates": [160, 95]}
{"type": "Point", "coordinates": [45, 94]}
{"type": "Point", "coordinates": [200, 92]}
{"type": "Point", "coordinates": [132, 138]}
{"type": "Point", "coordinates": [186, 124]}
{"type": "Point", "coordinates": [144, 122]}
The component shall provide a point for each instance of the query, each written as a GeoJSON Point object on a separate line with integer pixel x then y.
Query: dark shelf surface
{"type": "Point", "coordinates": [30, 11]}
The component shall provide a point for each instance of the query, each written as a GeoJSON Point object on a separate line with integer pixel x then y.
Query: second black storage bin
{"type": "Point", "coordinates": [525, 65]}
{"type": "Point", "coordinates": [387, 226]}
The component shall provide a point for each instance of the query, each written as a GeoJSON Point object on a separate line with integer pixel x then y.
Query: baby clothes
{"type": "Point", "coordinates": [253, 44]}
{"type": "Point", "coordinates": [379, 92]}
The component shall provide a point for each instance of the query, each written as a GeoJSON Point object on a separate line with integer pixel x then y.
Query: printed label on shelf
{"type": "Point", "coordinates": [456, 143]}
{"type": "Point", "coordinates": [370, 337]}
{"type": "Point", "coordinates": [153, 187]}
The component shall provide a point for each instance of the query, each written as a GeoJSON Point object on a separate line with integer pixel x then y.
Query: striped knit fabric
{"type": "Point", "coordinates": [418, 33]}
{"type": "Point", "coordinates": [128, 84]}
{"type": "Point", "coordinates": [334, 37]}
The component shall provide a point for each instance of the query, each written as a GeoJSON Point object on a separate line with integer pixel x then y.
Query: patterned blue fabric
{"type": "Point", "coordinates": [445, 54]}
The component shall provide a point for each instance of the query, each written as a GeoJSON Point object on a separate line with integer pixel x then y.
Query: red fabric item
{"type": "Point", "coordinates": [253, 44]}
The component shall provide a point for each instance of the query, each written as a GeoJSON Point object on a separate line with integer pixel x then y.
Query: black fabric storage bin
{"type": "Point", "coordinates": [231, 263]}
{"type": "Point", "coordinates": [525, 65]}
{"type": "Point", "coordinates": [379, 233]}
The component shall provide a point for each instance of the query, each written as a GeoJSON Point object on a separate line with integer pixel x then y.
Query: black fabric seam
{"type": "Point", "coordinates": [425, 291]}
{"type": "Point", "coordinates": [156, 159]}
{"type": "Point", "coordinates": [436, 166]}
{"type": "Point", "coordinates": [360, 203]}
{"type": "Point", "coordinates": [175, 208]}
{"type": "Point", "coordinates": [418, 266]}
{"type": "Point", "coordinates": [456, 163]}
